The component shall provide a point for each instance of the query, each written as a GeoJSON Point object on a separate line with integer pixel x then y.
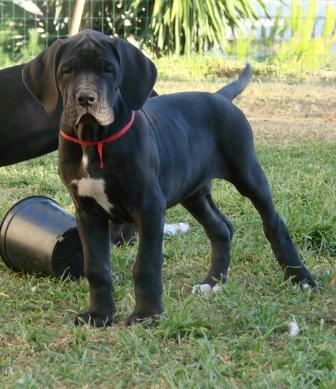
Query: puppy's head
{"type": "Point", "coordinates": [88, 71]}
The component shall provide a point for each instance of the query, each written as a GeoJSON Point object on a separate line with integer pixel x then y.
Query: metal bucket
{"type": "Point", "coordinates": [38, 237]}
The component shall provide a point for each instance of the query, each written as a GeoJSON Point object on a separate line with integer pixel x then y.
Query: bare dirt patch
{"type": "Point", "coordinates": [279, 113]}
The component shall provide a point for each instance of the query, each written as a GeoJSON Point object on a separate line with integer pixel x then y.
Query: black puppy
{"type": "Point", "coordinates": [127, 159]}
{"type": "Point", "coordinates": [28, 132]}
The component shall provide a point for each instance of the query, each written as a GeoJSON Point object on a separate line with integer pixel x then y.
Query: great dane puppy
{"type": "Point", "coordinates": [126, 158]}
{"type": "Point", "coordinates": [28, 132]}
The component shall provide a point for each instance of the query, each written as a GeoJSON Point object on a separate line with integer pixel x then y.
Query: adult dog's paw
{"type": "Point", "coordinates": [206, 288]}
{"type": "Point", "coordinates": [94, 319]}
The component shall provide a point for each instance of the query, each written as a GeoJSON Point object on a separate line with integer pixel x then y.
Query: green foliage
{"type": "Point", "coordinates": [5, 59]}
{"type": "Point", "coordinates": [173, 27]}
{"type": "Point", "coordinates": [50, 22]}
{"type": "Point", "coordinates": [33, 47]}
{"type": "Point", "coordinates": [268, 38]}
{"type": "Point", "coordinates": [163, 26]}
{"type": "Point", "coordinates": [190, 26]}
{"type": "Point", "coordinates": [302, 48]}
{"type": "Point", "coordinates": [243, 46]}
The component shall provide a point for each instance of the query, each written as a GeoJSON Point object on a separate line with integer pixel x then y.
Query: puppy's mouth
{"type": "Point", "coordinates": [102, 117]}
{"type": "Point", "coordinates": [88, 128]}
{"type": "Point", "coordinates": [87, 118]}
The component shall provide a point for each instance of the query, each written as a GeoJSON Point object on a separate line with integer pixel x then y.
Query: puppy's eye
{"type": "Point", "coordinates": [67, 68]}
{"type": "Point", "coordinates": [105, 66]}
{"type": "Point", "coordinates": [108, 68]}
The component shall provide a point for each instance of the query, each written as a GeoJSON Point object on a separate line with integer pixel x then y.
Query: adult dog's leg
{"type": "Point", "coordinates": [147, 270]}
{"type": "Point", "coordinates": [218, 229]}
{"type": "Point", "coordinates": [251, 182]}
{"type": "Point", "coordinates": [95, 237]}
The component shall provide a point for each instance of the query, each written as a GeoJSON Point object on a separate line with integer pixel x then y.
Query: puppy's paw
{"type": "Point", "coordinates": [302, 277]}
{"type": "Point", "coordinates": [206, 289]}
{"type": "Point", "coordinates": [148, 320]}
{"type": "Point", "coordinates": [94, 319]}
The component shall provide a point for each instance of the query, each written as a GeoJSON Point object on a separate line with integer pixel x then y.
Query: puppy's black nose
{"type": "Point", "coordinates": [86, 98]}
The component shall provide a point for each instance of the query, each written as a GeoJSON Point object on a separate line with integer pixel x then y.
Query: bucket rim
{"type": "Point", "coordinates": [3, 225]}
{"type": "Point", "coordinates": [21, 201]}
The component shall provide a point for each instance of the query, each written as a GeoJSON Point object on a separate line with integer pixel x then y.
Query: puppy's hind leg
{"type": "Point", "coordinates": [219, 231]}
{"type": "Point", "coordinates": [251, 182]}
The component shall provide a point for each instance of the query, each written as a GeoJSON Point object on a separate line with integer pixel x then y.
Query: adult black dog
{"type": "Point", "coordinates": [26, 130]}
{"type": "Point", "coordinates": [130, 166]}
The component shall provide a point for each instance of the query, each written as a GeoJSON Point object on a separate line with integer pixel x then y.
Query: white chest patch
{"type": "Point", "coordinates": [85, 161]}
{"type": "Point", "coordinates": [90, 187]}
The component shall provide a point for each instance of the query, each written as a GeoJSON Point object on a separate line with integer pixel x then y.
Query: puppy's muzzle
{"type": "Point", "coordinates": [86, 98]}
{"type": "Point", "coordinates": [88, 101]}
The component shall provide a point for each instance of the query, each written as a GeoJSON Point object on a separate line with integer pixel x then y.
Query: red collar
{"type": "Point", "coordinates": [100, 143]}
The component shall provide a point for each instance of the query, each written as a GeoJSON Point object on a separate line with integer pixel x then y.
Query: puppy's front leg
{"type": "Point", "coordinates": [147, 270]}
{"type": "Point", "coordinates": [95, 237]}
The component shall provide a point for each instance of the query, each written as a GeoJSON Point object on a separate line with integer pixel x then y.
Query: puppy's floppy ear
{"type": "Point", "coordinates": [39, 76]}
{"type": "Point", "coordinates": [139, 74]}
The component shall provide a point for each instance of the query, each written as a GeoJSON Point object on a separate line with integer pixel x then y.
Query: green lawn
{"type": "Point", "coordinates": [235, 339]}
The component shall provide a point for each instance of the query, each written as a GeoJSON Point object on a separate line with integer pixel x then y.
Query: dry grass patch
{"type": "Point", "coordinates": [281, 114]}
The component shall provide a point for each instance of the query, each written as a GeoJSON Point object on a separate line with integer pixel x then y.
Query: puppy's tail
{"type": "Point", "coordinates": [235, 88]}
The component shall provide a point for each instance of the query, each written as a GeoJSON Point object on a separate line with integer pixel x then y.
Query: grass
{"type": "Point", "coordinates": [201, 67]}
{"type": "Point", "coordinates": [235, 339]}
